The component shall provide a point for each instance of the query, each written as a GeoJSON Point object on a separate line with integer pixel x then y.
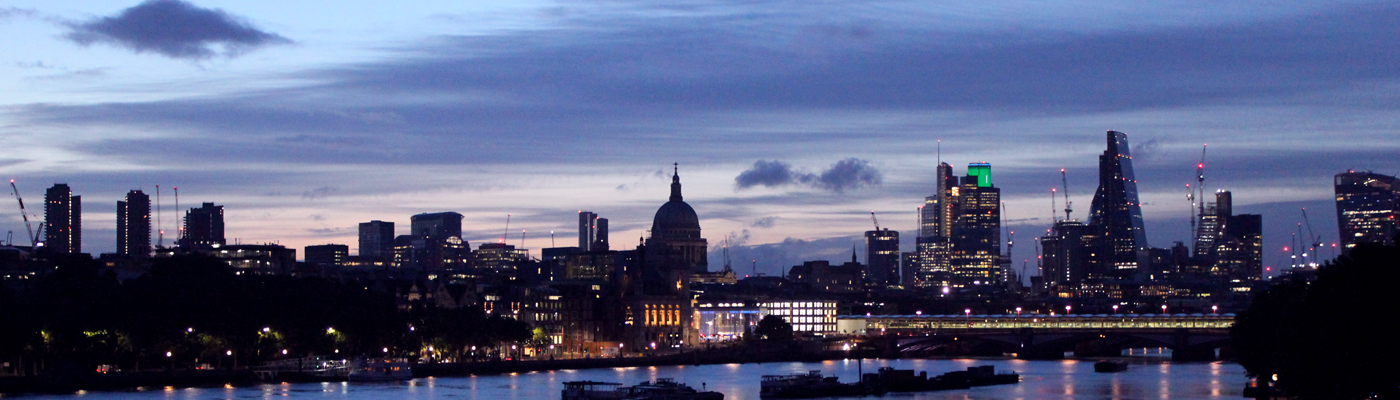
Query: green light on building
{"type": "Point", "coordinates": [983, 172]}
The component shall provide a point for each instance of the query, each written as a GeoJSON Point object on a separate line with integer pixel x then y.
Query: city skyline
{"type": "Point", "coordinates": [302, 135]}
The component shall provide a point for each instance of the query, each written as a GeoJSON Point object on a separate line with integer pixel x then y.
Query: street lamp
{"type": "Point", "coordinates": [1018, 311]}
{"type": "Point", "coordinates": [1067, 310]}
{"type": "Point", "coordinates": [1214, 309]}
{"type": "Point", "coordinates": [1115, 308]}
{"type": "Point", "coordinates": [1164, 309]}
{"type": "Point", "coordinates": [968, 312]}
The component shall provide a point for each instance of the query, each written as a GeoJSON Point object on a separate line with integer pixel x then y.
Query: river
{"type": "Point", "coordinates": [1068, 379]}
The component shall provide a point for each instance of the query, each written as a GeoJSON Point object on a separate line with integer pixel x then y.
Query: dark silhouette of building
{"type": "Point", "coordinates": [882, 257]}
{"type": "Point", "coordinates": [960, 230]}
{"type": "Point", "coordinates": [592, 232]}
{"type": "Point", "coordinates": [821, 276]}
{"type": "Point", "coordinates": [327, 255]}
{"type": "Point", "coordinates": [1116, 212]}
{"type": "Point", "coordinates": [437, 225]}
{"type": "Point", "coordinates": [658, 300]}
{"type": "Point", "coordinates": [377, 239]}
{"type": "Point", "coordinates": [134, 225]}
{"type": "Point", "coordinates": [204, 226]}
{"type": "Point", "coordinates": [63, 220]}
{"type": "Point", "coordinates": [1229, 248]}
{"type": "Point", "coordinates": [1367, 204]}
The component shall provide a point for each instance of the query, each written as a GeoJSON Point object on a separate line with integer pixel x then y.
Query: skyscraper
{"type": "Point", "coordinates": [592, 232]}
{"type": "Point", "coordinates": [882, 257]}
{"type": "Point", "coordinates": [586, 219]}
{"type": "Point", "coordinates": [377, 239]}
{"type": "Point", "coordinates": [1229, 248]}
{"type": "Point", "coordinates": [204, 226]}
{"type": "Point", "coordinates": [960, 228]}
{"type": "Point", "coordinates": [1116, 212]}
{"type": "Point", "coordinates": [134, 225]}
{"type": "Point", "coordinates": [1367, 204]}
{"type": "Point", "coordinates": [63, 220]}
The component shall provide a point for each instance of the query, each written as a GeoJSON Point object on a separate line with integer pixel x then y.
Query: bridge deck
{"type": "Point", "coordinates": [879, 324]}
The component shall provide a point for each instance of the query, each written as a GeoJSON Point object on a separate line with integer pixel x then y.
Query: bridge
{"type": "Point", "coordinates": [1038, 336]}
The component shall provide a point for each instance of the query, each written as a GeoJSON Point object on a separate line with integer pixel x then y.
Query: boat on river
{"type": "Point", "coordinates": [1110, 366]}
{"type": "Point", "coordinates": [380, 370]}
{"type": "Point", "coordinates": [813, 384]}
{"type": "Point", "coordinates": [904, 380]}
{"type": "Point", "coordinates": [661, 389]}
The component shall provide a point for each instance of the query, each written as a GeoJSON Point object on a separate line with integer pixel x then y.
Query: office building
{"type": "Point", "coordinates": [592, 232]}
{"type": "Point", "coordinates": [1116, 212]}
{"type": "Point", "coordinates": [960, 230]}
{"type": "Point", "coordinates": [882, 257]}
{"type": "Point", "coordinates": [377, 239]}
{"type": "Point", "coordinates": [1366, 208]}
{"type": "Point", "coordinates": [327, 255]}
{"type": "Point", "coordinates": [63, 220]}
{"type": "Point", "coordinates": [437, 225]}
{"type": "Point", "coordinates": [134, 225]}
{"type": "Point", "coordinates": [204, 226]}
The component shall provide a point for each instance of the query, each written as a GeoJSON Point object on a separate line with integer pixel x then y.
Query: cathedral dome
{"type": "Point", "coordinates": [675, 219]}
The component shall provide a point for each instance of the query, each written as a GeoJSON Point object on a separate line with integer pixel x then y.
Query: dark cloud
{"type": "Point", "coordinates": [1145, 149]}
{"type": "Point", "coordinates": [769, 174]}
{"type": "Point", "coordinates": [319, 193]}
{"type": "Point", "coordinates": [776, 258]}
{"type": "Point", "coordinates": [851, 173]}
{"type": "Point", "coordinates": [174, 29]}
{"type": "Point", "coordinates": [765, 222]}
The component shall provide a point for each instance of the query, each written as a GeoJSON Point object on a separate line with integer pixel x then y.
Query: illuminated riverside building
{"type": "Point", "coordinates": [722, 320]}
{"type": "Point", "coordinates": [882, 257]}
{"type": "Point", "coordinates": [1367, 205]}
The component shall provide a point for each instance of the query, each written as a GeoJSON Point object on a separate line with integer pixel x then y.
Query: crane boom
{"type": "Point", "coordinates": [1201, 184]}
{"type": "Point", "coordinates": [1069, 207]}
{"type": "Point", "coordinates": [875, 221]}
{"type": "Point", "coordinates": [24, 213]}
{"type": "Point", "coordinates": [506, 233]}
{"type": "Point", "coordinates": [1316, 239]}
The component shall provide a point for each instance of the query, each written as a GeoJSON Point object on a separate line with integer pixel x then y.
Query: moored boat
{"type": "Point", "coordinates": [1110, 366]}
{"type": "Point", "coordinates": [661, 389]}
{"type": "Point", "coordinates": [813, 384]}
{"type": "Point", "coordinates": [380, 370]}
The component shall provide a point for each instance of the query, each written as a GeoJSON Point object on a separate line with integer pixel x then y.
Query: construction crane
{"type": "Point", "coordinates": [726, 254]}
{"type": "Point", "coordinates": [160, 225]}
{"type": "Point", "coordinates": [1191, 198]}
{"type": "Point", "coordinates": [179, 232]}
{"type": "Point", "coordinates": [23, 212]}
{"type": "Point", "coordinates": [506, 232]}
{"type": "Point", "coordinates": [1069, 207]}
{"type": "Point", "coordinates": [1011, 235]}
{"type": "Point", "coordinates": [1201, 185]}
{"type": "Point", "coordinates": [1315, 239]}
{"type": "Point", "coordinates": [1053, 209]}
{"type": "Point", "coordinates": [875, 221]}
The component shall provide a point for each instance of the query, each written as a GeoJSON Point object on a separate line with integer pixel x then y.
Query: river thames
{"type": "Point", "coordinates": [1068, 379]}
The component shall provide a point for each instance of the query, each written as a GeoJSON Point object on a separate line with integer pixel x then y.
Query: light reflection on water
{"type": "Point", "coordinates": [1068, 379]}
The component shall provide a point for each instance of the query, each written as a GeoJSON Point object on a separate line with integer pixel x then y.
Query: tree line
{"type": "Point", "coordinates": [197, 310]}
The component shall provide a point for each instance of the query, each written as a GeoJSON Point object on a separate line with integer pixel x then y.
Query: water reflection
{"type": "Point", "coordinates": [1068, 379]}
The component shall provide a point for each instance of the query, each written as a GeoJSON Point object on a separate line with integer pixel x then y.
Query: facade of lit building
{"type": "Point", "coordinates": [204, 226]}
{"type": "Point", "coordinates": [882, 257]}
{"type": "Point", "coordinates": [134, 225]}
{"type": "Point", "coordinates": [960, 230]}
{"type": "Point", "coordinates": [1367, 204]}
{"type": "Point", "coordinates": [327, 255]}
{"type": "Point", "coordinates": [377, 239]}
{"type": "Point", "coordinates": [1116, 212]}
{"type": "Point", "coordinates": [63, 220]}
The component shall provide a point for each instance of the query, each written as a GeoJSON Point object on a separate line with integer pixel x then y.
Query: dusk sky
{"type": "Point", "coordinates": [791, 121]}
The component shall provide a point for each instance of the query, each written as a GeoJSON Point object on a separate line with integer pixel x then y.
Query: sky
{"type": "Point", "coordinates": [791, 121]}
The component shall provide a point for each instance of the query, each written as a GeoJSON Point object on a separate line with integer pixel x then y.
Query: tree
{"type": "Point", "coordinates": [774, 328]}
{"type": "Point", "coordinates": [1327, 339]}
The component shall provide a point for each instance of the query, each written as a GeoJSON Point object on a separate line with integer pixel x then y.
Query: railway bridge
{"type": "Point", "coordinates": [1191, 337]}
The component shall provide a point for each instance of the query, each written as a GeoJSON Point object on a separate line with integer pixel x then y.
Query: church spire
{"type": "Point", "coordinates": [676, 183]}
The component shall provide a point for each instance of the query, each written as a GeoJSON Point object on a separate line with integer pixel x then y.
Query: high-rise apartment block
{"type": "Point", "coordinates": [134, 225]}
{"type": "Point", "coordinates": [204, 226]}
{"type": "Point", "coordinates": [437, 225]}
{"type": "Point", "coordinates": [63, 220]}
{"type": "Point", "coordinates": [377, 239]}
{"type": "Point", "coordinates": [1367, 204]}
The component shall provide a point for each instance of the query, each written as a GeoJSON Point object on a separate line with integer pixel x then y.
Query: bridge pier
{"type": "Point", "coordinates": [1097, 348]}
{"type": "Point", "coordinates": [1197, 354]}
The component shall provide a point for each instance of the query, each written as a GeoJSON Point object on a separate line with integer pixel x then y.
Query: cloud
{"type": "Point", "coordinates": [769, 174]}
{"type": "Point", "coordinates": [174, 29]}
{"type": "Point", "coordinates": [1144, 150]}
{"type": "Point", "coordinates": [13, 12]}
{"type": "Point", "coordinates": [848, 174]}
{"type": "Point", "coordinates": [318, 193]}
{"type": "Point", "coordinates": [765, 222]}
